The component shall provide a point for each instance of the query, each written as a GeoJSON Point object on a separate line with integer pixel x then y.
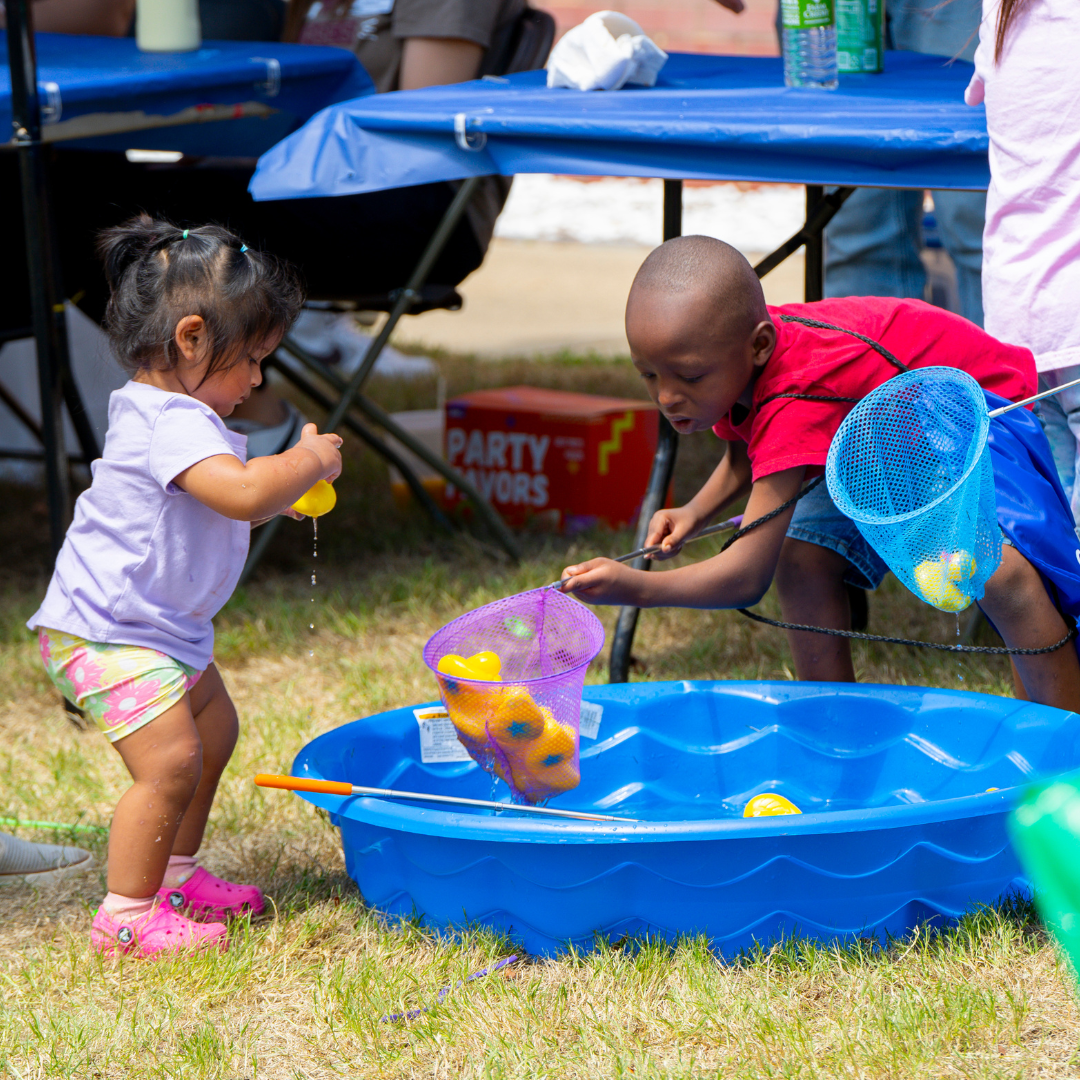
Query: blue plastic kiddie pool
{"type": "Point", "coordinates": [898, 825]}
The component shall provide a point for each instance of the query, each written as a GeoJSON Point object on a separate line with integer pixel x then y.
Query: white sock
{"type": "Point", "coordinates": [126, 908]}
{"type": "Point", "coordinates": [180, 868]}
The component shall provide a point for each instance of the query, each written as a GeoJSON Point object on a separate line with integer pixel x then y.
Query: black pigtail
{"type": "Point", "coordinates": [159, 273]}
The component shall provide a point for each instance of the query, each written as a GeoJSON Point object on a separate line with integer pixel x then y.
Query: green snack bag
{"type": "Point", "coordinates": [860, 36]}
{"type": "Point", "coordinates": [1045, 830]}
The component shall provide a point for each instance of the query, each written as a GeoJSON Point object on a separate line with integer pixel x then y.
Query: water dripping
{"type": "Point", "coordinates": [958, 668]}
{"type": "Point", "coordinates": [314, 555]}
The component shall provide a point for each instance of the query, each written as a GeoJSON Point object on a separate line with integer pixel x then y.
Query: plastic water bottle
{"type": "Point", "coordinates": [808, 40]}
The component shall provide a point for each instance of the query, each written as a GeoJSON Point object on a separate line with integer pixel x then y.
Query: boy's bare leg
{"type": "Point", "coordinates": [810, 580]}
{"type": "Point", "coordinates": [1017, 603]}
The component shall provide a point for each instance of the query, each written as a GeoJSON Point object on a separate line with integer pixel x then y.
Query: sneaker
{"type": "Point", "coordinates": [204, 896]}
{"type": "Point", "coordinates": [160, 930]}
{"type": "Point", "coordinates": [39, 864]}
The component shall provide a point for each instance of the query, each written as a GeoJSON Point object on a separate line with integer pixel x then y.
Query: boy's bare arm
{"type": "Point", "coordinates": [265, 486]}
{"type": "Point", "coordinates": [738, 577]}
{"type": "Point", "coordinates": [730, 481]}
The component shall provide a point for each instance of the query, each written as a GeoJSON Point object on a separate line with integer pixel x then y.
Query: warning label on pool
{"type": "Point", "coordinates": [590, 719]}
{"type": "Point", "coordinates": [438, 740]}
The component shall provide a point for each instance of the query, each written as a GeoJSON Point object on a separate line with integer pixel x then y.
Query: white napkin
{"type": "Point", "coordinates": [605, 52]}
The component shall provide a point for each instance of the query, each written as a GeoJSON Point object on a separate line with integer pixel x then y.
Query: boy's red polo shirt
{"type": "Point", "coordinates": [784, 433]}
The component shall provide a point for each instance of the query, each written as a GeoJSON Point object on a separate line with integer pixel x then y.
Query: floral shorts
{"type": "Point", "coordinates": [121, 687]}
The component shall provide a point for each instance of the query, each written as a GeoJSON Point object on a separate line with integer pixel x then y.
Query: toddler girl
{"type": "Point", "coordinates": [156, 547]}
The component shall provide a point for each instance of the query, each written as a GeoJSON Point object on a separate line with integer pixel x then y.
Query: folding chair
{"type": "Point", "coordinates": [524, 45]}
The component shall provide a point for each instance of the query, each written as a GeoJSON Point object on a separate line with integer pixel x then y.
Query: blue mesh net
{"type": "Point", "coordinates": [910, 466]}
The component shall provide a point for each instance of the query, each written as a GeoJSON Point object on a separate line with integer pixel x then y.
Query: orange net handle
{"type": "Point", "coordinates": [297, 783]}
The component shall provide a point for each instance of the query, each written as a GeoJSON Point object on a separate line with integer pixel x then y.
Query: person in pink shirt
{"type": "Point", "coordinates": [1027, 76]}
{"type": "Point", "coordinates": [155, 550]}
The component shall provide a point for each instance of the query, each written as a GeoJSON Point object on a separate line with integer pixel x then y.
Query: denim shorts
{"type": "Point", "coordinates": [818, 521]}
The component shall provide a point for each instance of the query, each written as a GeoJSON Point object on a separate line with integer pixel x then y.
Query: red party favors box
{"type": "Point", "coordinates": [571, 460]}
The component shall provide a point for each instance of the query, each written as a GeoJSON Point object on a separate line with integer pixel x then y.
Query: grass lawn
{"type": "Point", "coordinates": [301, 991]}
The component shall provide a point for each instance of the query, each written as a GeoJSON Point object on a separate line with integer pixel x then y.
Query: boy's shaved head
{"type": "Point", "coordinates": [711, 270]}
{"type": "Point", "coordinates": [698, 329]}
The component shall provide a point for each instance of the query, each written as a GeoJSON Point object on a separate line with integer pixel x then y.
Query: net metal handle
{"type": "Point", "coordinates": [1037, 397]}
{"type": "Point", "coordinates": [721, 526]}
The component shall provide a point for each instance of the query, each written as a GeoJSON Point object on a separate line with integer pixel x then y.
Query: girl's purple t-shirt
{"type": "Point", "coordinates": [143, 562]}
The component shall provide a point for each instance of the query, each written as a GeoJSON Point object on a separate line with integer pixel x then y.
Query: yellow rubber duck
{"type": "Point", "coordinates": [538, 750]}
{"type": "Point", "coordinates": [550, 761]}
{"type": "Point", "coordinates": [518, 719]}
{"type": "Point", "coordinates": [541, 764]}
{"type": "Point", "coordinates": [471, 707]}
{"type": "Point", "coordinates": [769, 804]}
{"type": "Point", "coordinates": [317, 500]}
{"type": "Point", "coordinates": [938, 580]}
{"type": "Point", "coordinates": [481, 666]}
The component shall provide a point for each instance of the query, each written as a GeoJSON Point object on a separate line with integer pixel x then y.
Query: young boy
{"type": "Point", "coordinates": [713, 355]}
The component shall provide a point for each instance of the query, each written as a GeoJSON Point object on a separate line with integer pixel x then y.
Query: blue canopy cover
{"type": "Point", "coordinates": [708, 118]}
{"type": "Point", "coordinates": [231, 98]}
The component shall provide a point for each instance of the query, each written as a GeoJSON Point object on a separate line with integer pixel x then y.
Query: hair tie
{"type": "Point", "coordinates": [243, 248]}
{"type": "Point", "coordinates": [184, 237]}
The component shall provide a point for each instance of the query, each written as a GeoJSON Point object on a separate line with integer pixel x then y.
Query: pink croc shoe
{"type": "Point", "coordinates": [204, 896]}
{"type": "Point", "coordinates": [160, 931]}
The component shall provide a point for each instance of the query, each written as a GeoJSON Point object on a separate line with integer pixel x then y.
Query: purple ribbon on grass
{"type": "Point", "coordinates": [412, 1014]}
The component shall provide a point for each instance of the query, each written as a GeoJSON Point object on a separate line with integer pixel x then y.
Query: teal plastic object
{"type": "Point", "coordinates": [897, 826]}
{"type": "Point", "coordinates": [1046, 832]}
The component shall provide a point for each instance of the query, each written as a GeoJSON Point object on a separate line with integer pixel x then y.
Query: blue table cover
{"type": "Point", "coordinates": [232, 98]}
{"type": "Point", "coordinates": [708, 118]}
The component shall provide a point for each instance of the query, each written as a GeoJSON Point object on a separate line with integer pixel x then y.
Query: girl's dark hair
{"type": "Point", "coordinates": [158, 273]}
{"type": "Point", "coordinates": [1008, 13]}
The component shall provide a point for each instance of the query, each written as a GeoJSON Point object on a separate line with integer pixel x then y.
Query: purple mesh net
{"type": "Point", "coordinates": [525, 727]}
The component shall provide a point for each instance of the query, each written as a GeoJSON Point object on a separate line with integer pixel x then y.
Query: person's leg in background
{"type": "Point", "coordinates": [1060, 418]}
{"type": "Point", "coordinates": [855, 263]}
{"type": "Point", "coordinates": [872, 245]}
{"type": "Point", "coordinates": [960, 217]}
{"type": "Point", "coordinates": [949, 29]}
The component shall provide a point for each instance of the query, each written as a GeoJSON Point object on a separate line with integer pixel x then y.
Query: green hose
{"type": "Point", "coordinates": [59, 826]}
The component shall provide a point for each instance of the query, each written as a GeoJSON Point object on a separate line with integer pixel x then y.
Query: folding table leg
{"type": "Point", "coordinates": [814, 250]}
{"type": "Point", "coordinates": [663, 467]}
{"type": "Point", "coordinates": [659, 482]}
{"type": "Point", "coordinates": [819, 212]}
{"type": "Point", "coordinates": [80, 418]}
{"type": "Point", "coordinates": [45, 296]}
